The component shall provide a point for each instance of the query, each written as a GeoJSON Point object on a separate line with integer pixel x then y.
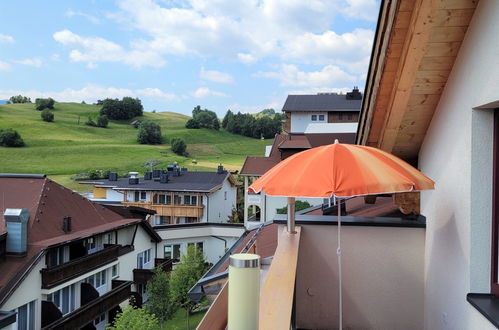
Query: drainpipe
{"type": "Point", "coordinates": [222, 239]}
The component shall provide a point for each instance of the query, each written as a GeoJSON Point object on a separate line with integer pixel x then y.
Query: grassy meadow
{"type": "Point", "coordinates": [67, 146]}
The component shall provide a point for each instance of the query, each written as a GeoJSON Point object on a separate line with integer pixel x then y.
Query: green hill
{"type": "Point", "coordinates": [67, 146]}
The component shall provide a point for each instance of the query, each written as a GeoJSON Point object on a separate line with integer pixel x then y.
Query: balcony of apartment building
{"type": "Point", "coordinates": [170, 207]}
{"type": "Point", "coordinates": [144, 275]}
{"type": "Point", "coordinates": [70, 261]}
{"type": "Point", "coordinates": [92, 306]}
{"type": "Point", "coordinates": [382, 269]}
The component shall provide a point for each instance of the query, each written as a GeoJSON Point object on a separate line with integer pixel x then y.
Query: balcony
{"type": "Point", "coordinates": [86, 314]}
{"type": "Point", "coordinates": [171, 210]}
{"type": "Point", "coordinates": [56, 275]}
{"type": "Point", "coordinates": [383, 276]}
{"type": "Point", "coordinates": [142, 276]}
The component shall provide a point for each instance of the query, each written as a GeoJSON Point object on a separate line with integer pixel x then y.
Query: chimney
{"type": "Point", "coordinates": [156, 173]}
{"type": "Point", "coordinates": [148, 176]}
{"type": "Point", "coordinates": [66, 224]}
{"type": "Point", "coordinates": [170, 168]}
{"type": "Point", "coordinates": [354, 94]}
{"type": "Point", "coordinates": [113, 176]}
{"type": "Point", "coordinates": [220, 169]}
{"type": "Point", "coordinates": [133, 178]}
{"type": "Point", "coordinates": [16, 223]}
{"type": "Point", "coordinates": [163, 178]}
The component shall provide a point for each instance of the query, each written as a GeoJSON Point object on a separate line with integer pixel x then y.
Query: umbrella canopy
{"type": "Point", "coordinates": [341, 170]}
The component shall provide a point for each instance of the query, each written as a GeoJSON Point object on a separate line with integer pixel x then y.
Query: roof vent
{"type": "Point", "coordinates": [148, 176]}
{"type": "Point", "coordinates": [16, 223]}
{"type": "Point", "coordinates": [163, 178]}
{"type": "Point", "coordinates": [220, 169]}
{"type": "Point", "coordinates": [113, 176]}
{"type": "Point", "coordinates": [156, 173]}
{"type": "Point", "coordinates": [133, 178]}
{"type": "Point", "coordinates": [170, 168]}
{"type": "Point", "coordinates": [66, 224]}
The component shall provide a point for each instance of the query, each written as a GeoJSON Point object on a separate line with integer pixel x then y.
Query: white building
{"type": "Point", "coordinates": [66, 262]}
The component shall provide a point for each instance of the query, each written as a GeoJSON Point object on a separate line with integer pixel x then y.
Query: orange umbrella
{"type": "Point", "coordinates": [339, 171]}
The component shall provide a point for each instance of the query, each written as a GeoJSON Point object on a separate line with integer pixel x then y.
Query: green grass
{"type": "Point", "coordinates": [179, 321]}
{"type": "Point", "coordinates": [67, 146]}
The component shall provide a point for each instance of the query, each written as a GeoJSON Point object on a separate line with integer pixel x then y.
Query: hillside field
{"type": "Point", "coordinates": [67, 146]}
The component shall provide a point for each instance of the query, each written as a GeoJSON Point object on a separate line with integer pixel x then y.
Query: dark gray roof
{"type": "Point", "coordinates": [321, 102]}
{"type": "Point", "coordinates": [188, 181]}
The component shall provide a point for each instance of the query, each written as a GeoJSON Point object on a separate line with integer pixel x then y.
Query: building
{"type": "Point", "coordinates": [323, 108]}
{"type": "Point", "coordinates": [178, 196]}
{"type": "Point", "coordinates": [66, 262]}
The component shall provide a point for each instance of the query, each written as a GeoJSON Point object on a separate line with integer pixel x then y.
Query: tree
{"type": "Point", "coordinates": [178, 146]}
{"type": "Point", "coordinates": [149, 133]}
{"type": "Point", "coordinates": [203, 119]}
{"type": "Point", "coordinates": [102, 121]}
{"type": "Point", "coordinates": [158, 290]}
{"type": "Point", "coordinates": [47, 116]}
{"type": "Point", "coordinates": [10, 138]}
{"type": "Point", "coordinates": [125, 109]}
{"type": "Point", "coordinates": [134, 319]}
{"type": "Point", "coordinates": [191, 123]}
{"type": "Point", "coordinates": [228, 116]}
{"type": "Point", "coordinates": [192, 266]}
{"type": "Point", "coordinates": [19, 99]}
{"type": "Point", "coordinates": [41, 104]}
{"type": "Point", "coordinates": [299, 205]}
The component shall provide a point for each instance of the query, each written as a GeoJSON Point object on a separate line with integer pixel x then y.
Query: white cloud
{"type": "Point", "coordinates": [6, 39]}
{"type": "Point", "coordinates": [90, 18]}
{"type": "Point", "coordinates": [363, 9]}
{"type": "Point", "coordinates": [203, 92]}
{"type": "Point", "coordinates": [92, 93]}
{"type": "Point", "coordinates": [216, 76]}
{"type": "Point", "coordinates": [246, 58]}
{"type": "Point", "coordinates": [92, 50]}
{"type": "Point", "coordinates": [236, 107]}
{"type": "Point", "coordinates": [4, 66]}
{"type": "Point", "coordinates": [290, 75]}
{"type": "Point", "coordinates": [34, 62]}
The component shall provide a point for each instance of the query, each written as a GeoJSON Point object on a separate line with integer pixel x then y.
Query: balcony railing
{"type": "Point", "coordinates": [174, 210]}
{"type": "Point", "coordinates": [142, 276]}
{"type": "Point", "coordinates": [86, 314]}
{"type": "Point", "coordinates": [61, 273]}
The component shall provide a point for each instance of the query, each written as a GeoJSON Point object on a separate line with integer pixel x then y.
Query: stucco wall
{"type": "Point", "coordinates": [218, 208]}
{"type": "Point", "coordinates": [300, 120]}
{"type": "Point", "coordinates": [457, 154]}
{"type": "Point", "coordinates": [382, 278]}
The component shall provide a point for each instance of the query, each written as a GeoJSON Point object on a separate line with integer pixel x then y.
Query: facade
{"type": "Point", "coordinates": [323, 108]}
{"type": "Point", "coordinates": [67, 263]}
{"type": "Point", "coordinates": [177, 196]}
{"type": "Point", "coordinates": [445, 121]}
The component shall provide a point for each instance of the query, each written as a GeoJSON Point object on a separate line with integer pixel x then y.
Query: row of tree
{"type": "Point", "coordinates": [203, 119]}
{"type": "Point", "coordinates": [266, 126]}
{"type": "Point", "coordinates": [123, 109]}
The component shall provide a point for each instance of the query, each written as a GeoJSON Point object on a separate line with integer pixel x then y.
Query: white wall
{"type": "Point", "coordinates": [218, 209]}
{"type": "Point", "coordinates": [457, 154]}
{"type": "Point", "coordinates": [300, 120]}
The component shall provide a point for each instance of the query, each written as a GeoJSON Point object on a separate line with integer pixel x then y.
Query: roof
{"type": "Point", "coordinates": [188, 181]}
{"type": "Point", "coordinates": [321, 102]}
{"type": "Point", "coordinates": [48, 203]}
{"type": "Point", "coordinates": [415, 47]}
{"type": "Point", "coordinates": [257, 166]}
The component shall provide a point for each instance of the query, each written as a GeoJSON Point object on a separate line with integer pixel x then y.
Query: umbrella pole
{"type": "Point", "coordinates": [291, 215]}
{"type": "Point", "coordinates": [338, 253]}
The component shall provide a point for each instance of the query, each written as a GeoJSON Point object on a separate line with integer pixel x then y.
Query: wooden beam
{"type": "Point", "coordinates": [216, 317]}
{"type": "Point", "coordinates": [414, 49]}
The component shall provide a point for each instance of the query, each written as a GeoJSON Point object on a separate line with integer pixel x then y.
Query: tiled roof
{"type": "Point", "coordinates": [321, 102]}
{"type": "Point", "coordinates": [188, 181]}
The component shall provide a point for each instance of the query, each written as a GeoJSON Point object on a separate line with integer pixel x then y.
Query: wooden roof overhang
{"type": "Point", "coordinates": [416, 44]}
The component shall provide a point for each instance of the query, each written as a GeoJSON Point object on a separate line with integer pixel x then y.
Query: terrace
{"type": "Point", "coordinates": [383, 272]}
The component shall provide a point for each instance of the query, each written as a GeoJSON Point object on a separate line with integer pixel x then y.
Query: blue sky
{"type": "Point", "coordinates": [173, 55]}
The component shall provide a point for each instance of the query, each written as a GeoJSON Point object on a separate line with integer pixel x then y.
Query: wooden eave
{"type": "Point", "coordinates": [416, 44]}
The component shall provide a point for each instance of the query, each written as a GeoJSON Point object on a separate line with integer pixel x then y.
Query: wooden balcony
{"type": "Point", "coordinates": [171, 210]}
{"type": "Point", "coordinates": [54, 276]}
{"type": "Point", "coordinates": [86, 314]}
{"type": "Point", "coordinates": [142, 276]}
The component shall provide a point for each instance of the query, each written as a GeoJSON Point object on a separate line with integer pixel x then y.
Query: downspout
{"type": "Point", "coordinates": [207, 207]}
{"type": "Point", "coordinates": [134, 233]}
{"type": "Point", "coordinates": [222, 239]}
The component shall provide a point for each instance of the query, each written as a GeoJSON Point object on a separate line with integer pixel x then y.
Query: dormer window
{"type": "Point", "coordinates": [321, 117]}
{"type": "Point", "coordinates": [314, 117]}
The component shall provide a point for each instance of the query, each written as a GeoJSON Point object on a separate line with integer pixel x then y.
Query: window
{"type": "Point", "coordinates": [194, 200]}
{"type": "Point", "coordinates": [97, 280]}
{"type": "Point", "coordinates": [176, 199]}
{"type": "Point", "coordinates": [140, 196]}
{"type": "Point", "coordinates": [187, 199]}
{"type": "Point", "coordinates": [109, 238]}
{"type": "Point", "coordinates": [114, 271]}
{"type": "Point", "coordinates": [143, 259]}
{"type": "Point", "coordinates": [26, 316]}
{"type": "Point", "coordinates": [165, 199]}
{"type": "Point", "coordinates": [198, 246]}
{"type": "Point", "coordinates": [100, 319]}
{"type": "Point", "coordinates": [191, 220]}
{"type": "Point", "coordinates": [58, 256]}
{"type": "Point", "coordinates": [314, 117]}
{"type": "Point", "coordinates": [350, 116]}
{"type": "Point", "coordinates": [340, 116]}
{"type": "Point", "coordinates": [321, 117]}
{"type": "Point", "coordinates": [91, 245]}
{"type": "Point", "coordinates": [162, 219]}
{"type": "Point", "coordinates": [172, 251]}
{"type": "Point", "coordinates": [64, 298]}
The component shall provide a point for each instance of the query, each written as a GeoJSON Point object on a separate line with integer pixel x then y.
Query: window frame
{"type": "Point", "coordinates": [323, 118]}
{"type": "Point", "coordinates": [314, 117]}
